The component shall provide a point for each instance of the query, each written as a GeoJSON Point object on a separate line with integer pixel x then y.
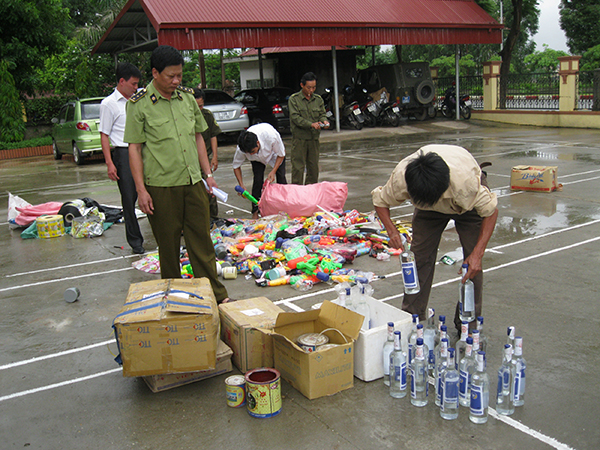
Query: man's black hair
{"type": "Point", "coordinates": [427, 178]}
{"type": "Point", "coordinates": [199, 93]}
{"type": "Point", "coordinates": [308, 76]}
{"type": "Point", "coordinates": [164, 56]}
{"type": "Point", "coordinates": [247, 141]}
{"type": "Point", "coordinates": [127, 70]}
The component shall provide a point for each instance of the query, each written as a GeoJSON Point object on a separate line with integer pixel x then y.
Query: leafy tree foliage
{"type": "Point", "coordinates": [543, 61]}
{"type": "Point", "coordinates": [580, 20]}
{"type": "Point", "coordinates": [12, 126]}
{"type": "Point", "coordinates": [447, 65]}
{"type": "Point", "coordinates": [591, 59]}
{"type": "Point", "coordinates": [212, 61]}
{"type": "Point", "coordinates": [30, 31]}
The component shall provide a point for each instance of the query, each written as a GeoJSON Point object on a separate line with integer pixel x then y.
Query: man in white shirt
{"type": "Point", "coordinates": [112, 127]}
{"type": "Point", "coordinates": [261, 144]}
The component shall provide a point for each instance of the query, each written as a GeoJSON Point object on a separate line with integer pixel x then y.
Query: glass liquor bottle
{"type": "Point", "coordinates": [388, 347]}
{"type": "Point", "coordinates": [397, 369]}
{"type": "Point", "coordinates": [466, 367]}
{"type": "Point", "coordinates": [409, 270]}
{"type": "Point", "coordinates": [480, 392]}
{"type": "Point", "coordinates": [429, 329]}
{"type": "Point", "coordinates": [438, 330]}
{"type": "Point", "coordinates": [420, 334]}
{"type": "Point", "coordinates": [439, 370]}
{"type": "Point", "coordinates": [461, 344]}
{"type": "Point", "coordinates": [438, 347]}
{"type": "Point", "coordinates": [419, 386]}
{"type": "Point", "coordinates": [506, 379]}
{"type": "Point", "coordinates": [412, 340]}
{"type": "Point", "coordinates": [510, 338]}
{"type": "Point", "coordinates": [483, 340]}
{"type": "Point", "coordinates": [466, 302]}
{"type": "Point", "coordinates": [520, 365]}
{"type": "Point", "coordinates": [450, 380]}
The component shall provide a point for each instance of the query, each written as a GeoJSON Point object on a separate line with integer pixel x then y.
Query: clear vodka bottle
{"type": "Point", "coordinates": [429, 329]}
{"type": "Point", "coordinates": [438, 347]}
{"type": "Point", "coordinates": [362, 307]}
{"type": "Point", "coordinates": [397, 369]}
{"type": "Point", "coordinates": [466, 367]}
{"type": "Point", "coordinates": [412, 340]}
{"type": "Point", "coordinates": [476, 348]}
{"type": "Point", "coordinates": [438, 331]}
{"type": "Point", "coordinates": [480, 392]}
{"type": "Point", "coordinates": [461, 345]}
{"type": "Point", "coordinates": [483, 340]}
{"type": "Point", "coordinates": [409, 271]}
{"type": "Point", "coordinates": [388, 347]}
{"type": "Point", "coordinates": [506, 382]}
{"type": "Point", "coordinates": [450, 381]}
{"type": "Point", "coordinates": [419, 386]}
{"type": "Point", "coordinates": [466, 302]}
{"type": "Point", "coordinates": [420, 334]}
{"type": "Point", "coordinates": [510, 338]}
{"type": "Point", "coordinates": [520, 365]}
{"type": "Point", "coordinates": [439, 369]}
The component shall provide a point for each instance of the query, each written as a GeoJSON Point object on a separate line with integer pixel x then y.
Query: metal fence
{"type": "Point", "coordinates": [531, 91]}
{"type": "Point", "coordinates": [471, 85]}
{"type": "Point", "coordinates": [585, 88]}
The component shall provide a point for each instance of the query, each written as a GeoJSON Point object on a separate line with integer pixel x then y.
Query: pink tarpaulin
{"type": "Point", "coordinates": [28, 214]}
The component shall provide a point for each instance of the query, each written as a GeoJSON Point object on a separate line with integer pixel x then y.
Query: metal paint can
{"type": "Point", "coordinates": [229, 273]}
{"type": "Point", "coordinates": [263, 392]}
{"type": "Point", "coordinates": [235, 387]}
{"type": "Point", "coordinates": [72, 294]}
{"type": "Point", "coordinates": [310, 341]}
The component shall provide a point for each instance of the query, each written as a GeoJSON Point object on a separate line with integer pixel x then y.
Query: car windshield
{"type": "Point", "coordinates": [279, 95]}
{"type": "Point", "coordinates": [217, 97]}
{"type": "Point", "coordinates": [90, 110]}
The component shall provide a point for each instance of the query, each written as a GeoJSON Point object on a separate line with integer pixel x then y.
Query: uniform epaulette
{"type": "Point", "coordinates": [186, 89]}
{"type": "Point", "coordinates": [139, 94]}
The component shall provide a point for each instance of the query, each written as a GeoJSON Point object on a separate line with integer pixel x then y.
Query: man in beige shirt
{"type": "Point", "coordinates": [443, 182]}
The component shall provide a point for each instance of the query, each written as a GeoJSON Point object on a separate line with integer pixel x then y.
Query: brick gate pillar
{"type": "Point", "coordinates": [568, 70]}
{"type": "Point", "coordinates": [491, 84]}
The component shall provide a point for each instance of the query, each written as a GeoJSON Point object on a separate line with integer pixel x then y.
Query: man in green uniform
{"type": "Point", "coordinates": [166, 152]}
{"type": "Point", "coordinates": [307, 117]}
{"type": "Point", "coordinates": [210, 142]}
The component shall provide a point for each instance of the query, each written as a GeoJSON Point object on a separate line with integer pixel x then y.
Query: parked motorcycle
{"type": "Point", "coordinates": [350, 114]}
{"type": "Point", "coordinates": [448, 107]}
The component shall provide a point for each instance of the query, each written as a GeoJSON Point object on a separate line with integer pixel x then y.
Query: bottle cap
{"type": "Point", "coordinates": [444, 328]}
{"type": "Point", "coordinates": [419, 326]}
{"type": "Point", "coordinates": [469, 340]}
{"type": "Point", "coordinates": [390, 324]}
{"type": "Point", "coordinates": [419, 341]}
{"type": "Point", "coordinates": [442, 319]}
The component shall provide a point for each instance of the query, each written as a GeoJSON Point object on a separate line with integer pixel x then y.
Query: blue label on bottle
{"type": "Point", "coordinates": [413, 389]}
{"type": "Point", "coordinates": [403, 376]}
{"type": "Point", "coordinates": [477, 401]}
{"type": "Point", "coordinates": [409, 272]}
{"type": "Point", "coordinates": [463, 383]}
{"type": "Point", "coordinates": [439, 387]}
{"type": "Point", "coordinates": [451, 393]}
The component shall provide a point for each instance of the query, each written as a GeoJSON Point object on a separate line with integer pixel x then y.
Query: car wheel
{"type": "Point", "coordinates": [55, 152]}
{"type": "Point", "coordinates": [425, 92]}
{"type": "Point", "coordinates": [77, 155]}
{"type": "Point", "coordinates": [421, 114]}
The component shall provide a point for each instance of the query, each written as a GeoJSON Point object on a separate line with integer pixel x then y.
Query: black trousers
{"type": "Point", "coordinates": [258, 170]}
{"type": "Point", "coordinates": [120, 157]}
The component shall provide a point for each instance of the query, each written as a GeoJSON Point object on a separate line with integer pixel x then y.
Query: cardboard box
{"type": "Point", "coordinates": [239, 320]}
{"type": "Point", "coordinates": [168, 326]}
{"type": "Point", "coordinates": [159, 383]}
{"type": "Point", "coordinates": [318, 373]}
{"type": "Point", "coordinates": [368, 348]}
{"type": "Point", "coordinates": [532, 178]}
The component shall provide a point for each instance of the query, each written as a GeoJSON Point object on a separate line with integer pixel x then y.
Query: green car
{"type": "Point", "coordinates": [75, 130]}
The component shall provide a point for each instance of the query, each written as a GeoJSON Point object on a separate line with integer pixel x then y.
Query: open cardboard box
{"type": "Point", "coordinates": [318, 373]}
{"type": "Point", "coordinates": [534, 178]}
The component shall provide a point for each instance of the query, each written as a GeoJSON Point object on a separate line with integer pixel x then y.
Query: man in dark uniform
{"type": "Point", "coordinates": [166, 152]}
{"type": "Point", "coordinates": [210, 142]}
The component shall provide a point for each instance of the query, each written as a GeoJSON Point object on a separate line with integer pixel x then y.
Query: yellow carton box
{"type": "Point", "coordinates": [533, 178]}
{"type": "Point", "coordinates": [159, 383]}
{"type": "Point", "coordinates": [168, 326]}
{"type": "Point", "coordinates": [322, 372]}
{"type": "Point", "coordinates": [239, 320]}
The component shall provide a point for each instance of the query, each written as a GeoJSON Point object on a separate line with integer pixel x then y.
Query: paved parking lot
{"type": "Point", "coordinates": [61, 389]}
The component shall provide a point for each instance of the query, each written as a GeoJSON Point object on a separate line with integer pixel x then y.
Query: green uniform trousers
{"type": "Point", "coordinates": [184, 208]}
{"type": "Point", "coordinates": [305, 154]}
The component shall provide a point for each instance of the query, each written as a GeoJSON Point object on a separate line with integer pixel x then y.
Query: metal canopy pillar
{"type": "Point", "coordinates": [260, 69]}
{"type": "Point", "coordinates": [457, 59]}
{"type": "Point", "coordinates": [335, 101]}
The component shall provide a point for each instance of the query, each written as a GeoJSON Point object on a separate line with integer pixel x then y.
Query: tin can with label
{"type": "Point", "coordinates": [310, 341]}
{"type": "Point", "coordinates": [264, 392]}
{"type": "Point", "coordinates": [235, 386]}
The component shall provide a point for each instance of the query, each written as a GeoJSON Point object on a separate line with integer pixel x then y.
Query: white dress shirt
{"type": "Point", "coordinates": [112, 118]}
{"type": "Point", "coordinates": [271, 146]}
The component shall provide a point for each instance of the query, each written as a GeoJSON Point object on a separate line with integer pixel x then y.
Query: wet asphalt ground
{"type": "Point", "coordinates": [61, 389]}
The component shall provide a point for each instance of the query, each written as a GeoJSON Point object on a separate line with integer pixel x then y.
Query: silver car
{"type": "Point", "coordinates": [231, 115]}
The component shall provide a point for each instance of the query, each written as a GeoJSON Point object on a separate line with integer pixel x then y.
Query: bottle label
{"type": "Point", "coordinates": [409, 274]}
{"type": "Point", "coordinates": [469, 298]}
{"type": "Point", "coordinates": [400, 375]}
{"type": "Point", "coordinates": [413, 388]}
{"type": "Point", "coordinates": [450, 395]}
{"type": "Point", "coordinates": [477, 401]}
{"type": "Point", "coordinates": [463, 385]}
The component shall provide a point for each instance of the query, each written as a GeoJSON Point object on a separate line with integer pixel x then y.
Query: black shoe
{"type": "Point", "coordinates": [138, 250]}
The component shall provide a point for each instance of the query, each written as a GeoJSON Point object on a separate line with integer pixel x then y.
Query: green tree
{"type": "Point", "coordinates": [543, 61]}
{"type": "Point", "coordinates": [580, 20]}
{"type": "Point", "coordinates": [591, 59]}
{"type": "Point", "coordinates": [212, 62]}
{"type": "Point", "coordinates": [30, 31]}
{"type": "Point", "coordinates": [447, 65]}
{"type": "Point", "coordinates": [12, 126]}
{"type": "Point", "coordinates": [381, 57]}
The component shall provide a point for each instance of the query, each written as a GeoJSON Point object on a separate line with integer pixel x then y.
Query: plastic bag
{"type": "Point", "coordinates": [297, 200]}
{"type": "Point", "coordinates": [14, 202]}
{"type": "Point", "coordinates": [87, 226]}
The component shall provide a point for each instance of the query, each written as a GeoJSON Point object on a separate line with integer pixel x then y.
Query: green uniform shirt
{"type": "Point", "coordinates": [167, 131]}
{"type": "Point", "coordinates": [305, 112]}
{"type": "Point", "coordinates": [212, 131]}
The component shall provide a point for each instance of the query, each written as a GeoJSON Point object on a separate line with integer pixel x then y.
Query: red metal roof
{"type": "Point", "coordinates": [207, 24]}
{"type": "Point", "coordinates": [269, 50]}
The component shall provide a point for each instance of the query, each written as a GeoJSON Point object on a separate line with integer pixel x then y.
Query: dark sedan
{"type": "Point", "coordinates": [267, 105]}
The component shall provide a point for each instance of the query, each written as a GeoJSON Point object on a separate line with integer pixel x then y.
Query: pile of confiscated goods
{"type": "Point", "coordinates": [302, 251]}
